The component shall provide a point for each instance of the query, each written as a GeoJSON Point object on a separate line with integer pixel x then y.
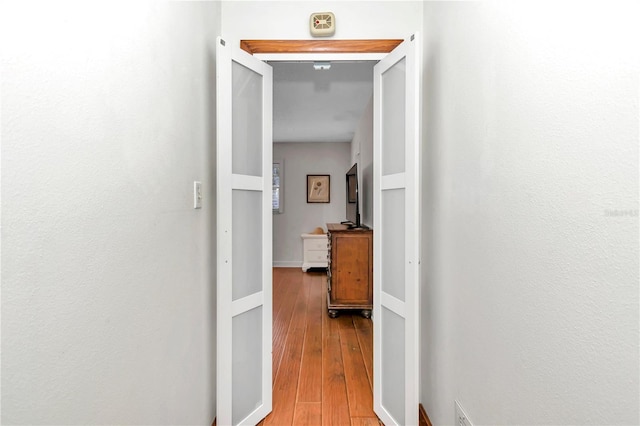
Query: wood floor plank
{"type": "Point", "coordinates": [358, 386]}
{"type": "Point", "coordinates": [288, 288]}
{"type": "Point", "coordinates": [314, 358]}
{"type": "Point", "coordinates": [278, 289]}
{"type": "Point", "coordinates": [310, 385]}
{"type": "Point", "coordinates": [335, 408]}
{"type": "Point", "coordinates": [286, 383]}
{"type": "Point", "coordinates": [308, 413]}
{"type": "Point", "coordinates": [364, 330]}
{"type": "Point", "coordinates": [365, 421]}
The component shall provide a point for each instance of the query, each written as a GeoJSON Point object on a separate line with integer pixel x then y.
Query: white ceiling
{"type": "Point", "coordinates": [319, 106]}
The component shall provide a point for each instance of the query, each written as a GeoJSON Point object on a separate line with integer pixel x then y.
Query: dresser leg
{"type": "Point", "coordinates": [333, 313]}
{"type": "Point", "coordinates": [366, 313]}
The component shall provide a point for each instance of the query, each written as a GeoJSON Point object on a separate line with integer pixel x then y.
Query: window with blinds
{"type": "Point", "coordinates": [277, 194]}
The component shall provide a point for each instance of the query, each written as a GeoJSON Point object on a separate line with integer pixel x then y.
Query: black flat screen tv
{"type": "Point", "coordinates": [353, 199]}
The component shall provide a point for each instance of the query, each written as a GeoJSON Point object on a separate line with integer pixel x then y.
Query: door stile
{"type": "Point", "coordinates": [231, 407]}
{"type": "Point", "coordinates": [396, 310]}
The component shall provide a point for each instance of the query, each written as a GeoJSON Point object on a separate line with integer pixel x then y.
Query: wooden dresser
{"type": "Point", "coordinates": [350, 271]}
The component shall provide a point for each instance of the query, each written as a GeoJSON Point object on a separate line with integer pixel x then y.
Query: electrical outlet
{"type": "Point", "coordinates": [461, 417]}
{"type": "Point", "coordinates": [197, 195]}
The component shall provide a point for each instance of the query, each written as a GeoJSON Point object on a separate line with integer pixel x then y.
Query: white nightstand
{"type": "Point", "coordinates": [314, 249]}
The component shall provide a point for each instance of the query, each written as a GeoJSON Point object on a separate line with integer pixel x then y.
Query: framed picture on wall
{"type": "Point", "coordinates": [318, 188]}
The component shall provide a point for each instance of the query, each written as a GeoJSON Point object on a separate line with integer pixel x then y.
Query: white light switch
{"type": "Point", "coordinates": [197, 195]}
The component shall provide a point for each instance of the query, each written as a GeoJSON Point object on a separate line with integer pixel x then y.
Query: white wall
{"type": "Point", "coordinates": [362, 153]}
{"type": "Point", "coordinates": [530, 291]}
{"type": "Point", "coordinates": [301, 159]}
{"type": "Point", "coordinates": [290, 19]}
{"type": "Point", "coordinates": [107, 271]}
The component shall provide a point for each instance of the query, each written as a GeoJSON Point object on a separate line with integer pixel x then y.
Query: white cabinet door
{"type": "Point", "coordinates": [396, 165]}
{"type": "Point", "coordinates": [243, 202]}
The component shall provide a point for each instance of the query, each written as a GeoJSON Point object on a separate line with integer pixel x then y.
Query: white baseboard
{"type": "Point", "coordinates": [287, 264]}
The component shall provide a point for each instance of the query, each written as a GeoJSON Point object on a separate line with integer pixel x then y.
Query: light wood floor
{"type": "Point", "coordinates": [322, 367]}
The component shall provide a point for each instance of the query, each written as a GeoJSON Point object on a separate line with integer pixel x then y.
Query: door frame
{"type": "Point", "coordinates": [318, 50]}
{"type": "Point", "coordinates": [319, 46]}
{"type": "Point", "coordinates": [242, 181]}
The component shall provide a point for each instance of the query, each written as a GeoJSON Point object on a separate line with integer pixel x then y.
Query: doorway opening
{"type": "Point", "coordinates": [243, 163]}
{"type": "Point", "coordinates": [322, 124]}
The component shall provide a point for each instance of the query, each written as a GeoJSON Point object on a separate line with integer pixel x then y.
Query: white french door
{"type": "Point", "coordinates": [396, 203]}
{"type": "Point", "coordinates": [244, 258]}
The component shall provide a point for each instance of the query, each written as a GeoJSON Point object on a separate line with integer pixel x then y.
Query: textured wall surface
{"type": "Point", "coordinates": [290, 19]}
{"type": "Point", "coordinates": [107, 270]}
{"type": "Point", "coordinates": [300, 160]}
{"type": "Point", "coordinates": [530, 286]}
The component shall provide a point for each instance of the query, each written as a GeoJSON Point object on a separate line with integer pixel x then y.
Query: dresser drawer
{"type": "Point", "coordinates": [316, 244]}
{"type": "Point", "coordinates": [316, 255]}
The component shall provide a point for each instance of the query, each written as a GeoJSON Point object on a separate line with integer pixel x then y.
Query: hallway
{"type": "Point", "coordinates": [322, 367]}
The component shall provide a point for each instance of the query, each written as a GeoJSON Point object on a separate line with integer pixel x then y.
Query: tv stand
{"type": "Point", "coordinates": [350, 270]}
{"type": "Point", "coordinates": [361, 226]}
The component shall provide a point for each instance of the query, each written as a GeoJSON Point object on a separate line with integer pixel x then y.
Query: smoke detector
{"type": "Point", "coordinates": [322, 24]}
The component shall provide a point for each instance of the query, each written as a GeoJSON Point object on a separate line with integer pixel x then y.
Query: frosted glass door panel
{"type": "Point", "coordinates": [247, 246]}
{"type": "Point", "coordinates": [396, 218]}
{"type": "Point", "coordinates": [393, 360]}
{"type": "Point", "coordinates": [393, 125]}
{"type": "Point", "coordinates": [393, 242]}
{"type": "Point", "coordinates": [247, 362]}
{"type": "Point", "coordinates": [244, 89]}
{"type": "Point", "coordinates": [246, 121]}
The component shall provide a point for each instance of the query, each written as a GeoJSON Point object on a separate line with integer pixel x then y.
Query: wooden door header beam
{"type": "Point", "coordinates": [319, 46]}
